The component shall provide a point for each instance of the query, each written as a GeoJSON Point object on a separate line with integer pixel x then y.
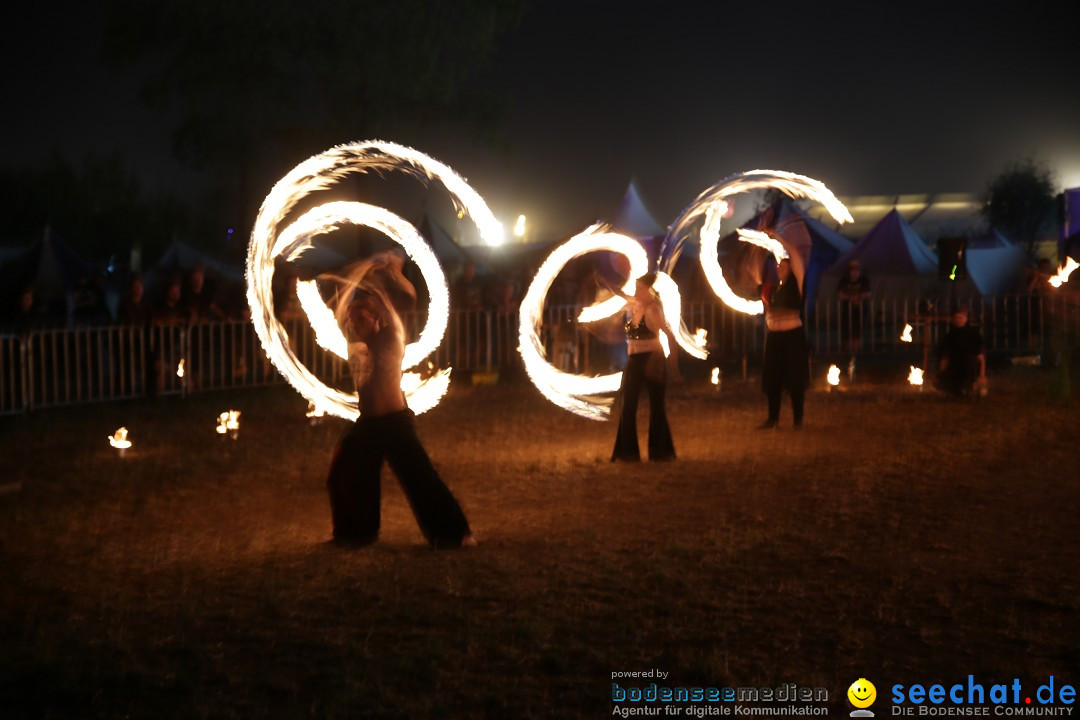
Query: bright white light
{"type": "Point", "coordinates": [915, 377]}
{"type": "Point", "coordinates": [180, 368]}
{"type": "Point", "coordinates": [270, 241]}
{"type": "Point", "coordinates": [714, 378]}
{"type": "Point", "coordinates": [519, 226]}
{"type": "Point", "coordinates": [906, 335]}
{"type": "Point", "coordinates": [833, 376]}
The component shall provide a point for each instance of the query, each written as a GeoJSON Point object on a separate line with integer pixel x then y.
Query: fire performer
{"type": "Point", "coordinates": [386, 427]}
{"type": "Point", "coordinates": [646, 366]}
{"type": "Point", "coordinates": [787, 361]}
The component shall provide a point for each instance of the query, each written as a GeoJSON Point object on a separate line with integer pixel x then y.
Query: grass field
{"type": "Point", "coordinates": [901, 537]}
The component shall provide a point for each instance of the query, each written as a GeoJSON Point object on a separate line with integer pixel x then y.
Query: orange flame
{"type": "Point", "coordinates": [119, 439]}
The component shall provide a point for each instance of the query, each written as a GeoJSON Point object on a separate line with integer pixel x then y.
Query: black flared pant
{"type": "Point", "coordinates": [355, 489]}
{"type": "Point", "coordinates": [661, 446]}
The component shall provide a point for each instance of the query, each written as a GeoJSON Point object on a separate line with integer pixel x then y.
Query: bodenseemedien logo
{"type": "Point", "coordinates": [861, 695]}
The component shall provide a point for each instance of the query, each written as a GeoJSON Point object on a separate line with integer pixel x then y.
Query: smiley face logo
{"type": "Point", "coordinates": [862, 693]}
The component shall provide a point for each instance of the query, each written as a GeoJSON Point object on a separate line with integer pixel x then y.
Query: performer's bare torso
{"type": "Point", "coordinates": [375, 363]}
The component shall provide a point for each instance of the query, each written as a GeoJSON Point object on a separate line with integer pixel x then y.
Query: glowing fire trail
{"type": "Point", "coordinates": [710, 207]}
{"type": "Point", "coordinates": [269, 241]}
{"type": "Point", "coordinates": [576, 393]}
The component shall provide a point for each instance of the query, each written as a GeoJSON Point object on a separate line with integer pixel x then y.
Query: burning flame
{"type": "Point", "coordinates": [180, 369]}
{"type": "Point", "coordinates": [906, 335]}
{"type": "Point", "coordinates": [575, 393]}
{"type": "Point", "coordinates": [712, 205]}
{"type": "Point", "coordinates": [700, 337]}
{"type": "Point", "coordinates": [915, 377]}
{"type": "Point", "coordinates": [119, 439]}
{"type": "Point", "coordinates": [833, 376]}
{"type": "Point", "coordinates": [715, 377]}
{"type": "Point", "coordinates": [270, 241]}
{"type": "Point", "coordinates": [314, 411]}
{"type": "Point", "coordinates": [1064, 272]}
{"type": "Point", "coordinates": [228, 422]}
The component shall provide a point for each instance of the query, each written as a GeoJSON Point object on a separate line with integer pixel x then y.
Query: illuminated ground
{"type": "Point", "coordinates": [900, 537]}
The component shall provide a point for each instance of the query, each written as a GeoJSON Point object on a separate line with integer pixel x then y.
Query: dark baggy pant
{"type": "Point", "coordinates": [355, 490]}
{"type": "Point", "coordinates": [661, 446]}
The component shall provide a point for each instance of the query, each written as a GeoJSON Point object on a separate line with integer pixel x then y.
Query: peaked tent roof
{"type": "Point", "coordinates": [994, 263]}
{"type": "Point", "coordinates": [49, 263]}
{"type": "Point", "coordinates": [893, 257]}
{"type": "Point", "coordinates": [892, 247]}
{"type": "Point", "coordinates": [181, 256]}
{"type": "Point", "coordinates": [633, 217]}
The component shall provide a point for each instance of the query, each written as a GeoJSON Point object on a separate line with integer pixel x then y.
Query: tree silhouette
{"type": "Point", "coordinates": [255, 86]}
{"type": "Point", "coordinates": [1020, 201]}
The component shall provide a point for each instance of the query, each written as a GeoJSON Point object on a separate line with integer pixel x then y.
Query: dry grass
{"type": "Point", "coordinates": [900, 537]}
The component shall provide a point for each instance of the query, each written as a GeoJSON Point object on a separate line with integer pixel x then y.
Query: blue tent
{"type": "Point", "coordinates": [994, 264]}
{"type": "Point", "coordinates": [893, 257]}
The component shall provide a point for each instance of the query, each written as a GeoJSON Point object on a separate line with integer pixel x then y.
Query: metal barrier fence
{"type": "Point", "coordinates": [49, 368]}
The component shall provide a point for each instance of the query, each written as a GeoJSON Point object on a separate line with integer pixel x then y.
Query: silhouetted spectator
{"type": "Point", "coordinates": [170, 311]}
{"type": "Point", "coordinates": [134, 308]}
{"type": "Point", "coordinates": [961, 356]}
{"type": "Point", "coordinates": [198, 300]}
{"type": "Point", "coordinates": [853, 290]}
{"type": "Point", "coordinates": [90, 307]}
{"type": "Point", "coordinates": [24, 313]}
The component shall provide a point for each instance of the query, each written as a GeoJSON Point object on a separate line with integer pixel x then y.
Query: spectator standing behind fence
{"type": "Point", "coordinates": [134, 309]}
{"type": "Point", "coordinates": [166, 341]}
{"type": "Point", "coordinates": [962, 357]}
{"type": "Point", "coordinates": [90, 308]}
{"type": "Point", "coordinates": [467, 299]}
{"type": "Point", "coordinates": [853, 291]}
{"type": "Point", "coordinates": [198, 300]}
{"type": "Point", "coordinates": [787, 358]}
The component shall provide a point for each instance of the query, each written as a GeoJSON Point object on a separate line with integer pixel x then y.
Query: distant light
{"type": "Point", "coordinates": [230, 230]}
{"type": "Point", "coordinates": [519, 226]}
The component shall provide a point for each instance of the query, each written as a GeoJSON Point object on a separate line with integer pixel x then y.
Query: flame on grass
{"type": "Point", "coordinates": [833, 375]}
{"type": "Point", "coordinates": [906, 335]}
{"type": "Point", "coordinates": [119, 439]}
{"type": "Point", "coordinates": [1064, 272]}
{"type": "Point", "coordinates": [710, 207]}
{"type": "Point", "coordinates": [269, 242]}
{"type": "Point", "coordinates": [915, 377]}
{"type": "Point", "coordinates": [228, 422]}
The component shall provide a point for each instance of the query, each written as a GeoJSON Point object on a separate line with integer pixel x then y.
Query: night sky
{"type": "Point", "coordinates": [909, 99]}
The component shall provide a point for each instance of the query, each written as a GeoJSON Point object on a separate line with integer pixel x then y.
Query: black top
{"type": "Point", "coordinates": [961, 342]}
{"type": "Point", "coordinates": [639, 331]}
{"type": "Point", "coordinates": [786, 296]}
